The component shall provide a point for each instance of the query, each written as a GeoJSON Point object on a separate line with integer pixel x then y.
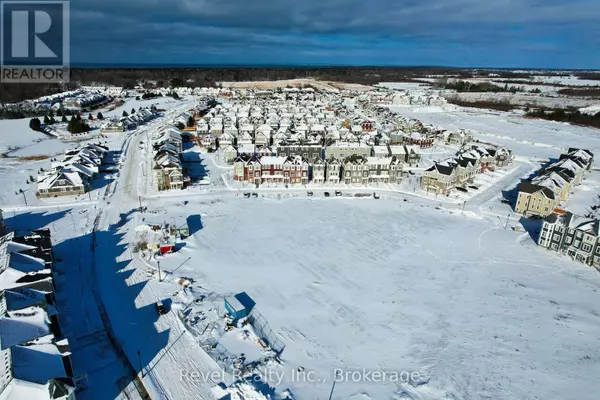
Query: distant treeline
{"type": "Point", "coordinates": [500, 105]}
{"type": "Point", "coordinates": [583, 92]}
{"type": "Point", "coordinates": [593, 76]}
{"type": "Point", "coordinates": [208, 77]}
{"type": "Point", "coordinates": [482, 87]}
{"type": "Point", "coordinates": [572, 117]}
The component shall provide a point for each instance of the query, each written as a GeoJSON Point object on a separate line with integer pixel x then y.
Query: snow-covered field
{"type": "Point", "coordinates": [526, 137]}
{"type": "Point", "coordinates": [476, 310]}
{"type": "Point", "coordinates": [446, 299]}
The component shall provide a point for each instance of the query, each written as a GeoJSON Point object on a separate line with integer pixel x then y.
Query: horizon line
{"type": "Point", "coordinates": [299, 66]}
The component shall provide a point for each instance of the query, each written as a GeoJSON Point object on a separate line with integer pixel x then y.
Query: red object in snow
{"type": "Point", "coordinates": [164, 249]}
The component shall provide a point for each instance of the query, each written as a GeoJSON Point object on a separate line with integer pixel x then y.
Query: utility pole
{"type": "Point", "coordinates": [140, 359]}
{"type": "Point", "coordinates": [159, 275]}
{"type": "Point", "coordinates": [24, 198]}
{"type": "Point", "coordinates": [506, 224]}
{"type": "Point", "coordinates": [332, 387]}
{"type": "Point", "coordinates": [463, 208]}
{"type": "Point", "coordinates": [140, 199]}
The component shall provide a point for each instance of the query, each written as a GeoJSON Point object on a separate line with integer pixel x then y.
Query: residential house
{"type": "Point", "coordinates": [381, 151]}
{"type": "Point", "coordinates": [341, 150]}
{"type": "Point", "coordinates": [504, 157]}
{"type": "Point", "coordinates": [355, 170]}
{"type": "Point", "coordinates": [272, 170]}
{"type": "Point", "coordinates": [535, 200]}
{"type": "Point", "coordinates": [309, 152]}
{"type": "Point", "coordinates": [572, 235]}
{"type": "Point", "coordinates": [557, 181]}
{"type": "Point", "coordinates": [379, 169]}
{"type": "Point", "coordinates": [439, 178]}
{"type": "Point", "coordinates": [168, 171]}
{"type": "Point", "coordinates": [333, 170]}
{"type": "Point", "coordinates": [317, 171]}
{"type": "Point", "coordinates": [60, 182]}
{"type": "Point", "coordinates": [228, 153]}
{"type": "Point", "coordinates": [296, 170]}
{"type": "Point", "coordinates": [585, 157]}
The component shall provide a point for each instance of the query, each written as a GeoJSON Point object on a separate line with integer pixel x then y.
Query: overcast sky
{"type": "Point", "coordinates": [465, 33]}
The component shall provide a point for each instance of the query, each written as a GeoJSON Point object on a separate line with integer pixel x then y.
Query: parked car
{"type": "Point", "coordinates": [376, 196]}
{"type": "Point", "coordinates": [309, 194]}
{"type": "Point", "coordinates": [160, 308]}
{"type": "Point", "coordinates": [247, 195]}
{"type": "Point", "coordinates": [255, 195]}
{"type": "Point", "coordinates": [326, 194]}
{"type": "Point", "coordinates": [338, 192]}
{"type": "Point", "coordinates": [474, 187]}
{"type": "Point", "coordinates": [462, 189]}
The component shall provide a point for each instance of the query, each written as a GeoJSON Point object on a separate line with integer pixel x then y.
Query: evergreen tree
{"type": "Point", "coordinates": [51, 113]}
{"type": "Point", "coordinates": [46, 120]}
{"type": "Point", "coordinates": [190, 122]}
{"type": "Point", "coordinates": [64, 119]}
{"type": "Point", "coordinates": [59, 113]}
{"type": "Point", "coordinates": [100, 116]}
{"type": "Point", "coordinates": [90, 117]}
{"type": "Point", "coordinates": [125, 114]}
{"type": "Point", "coordinates": [35, 124]}
{"type": "Point", "coordinates": [133, 111]}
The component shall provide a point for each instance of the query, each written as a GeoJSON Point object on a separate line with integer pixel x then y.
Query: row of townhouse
{"type": "Point", "coordinates": [120, 125]}
{"type": "Point", "coordinates": [460, 171]}
{"type": "Point", "coordinates": [355, 169]}
{"type": "Point", "coordinates": [35, 357]}
{"type": "Point", "coordinates": [410, 155]}
{"type": "Point", "coordinates": [543, 194]}
{"type": "Point", "coordinates": [167, 146]}
{"type": "Point", "coordinates": [573, 235]}
{"type": "Point", "coordinates": [74, 173]}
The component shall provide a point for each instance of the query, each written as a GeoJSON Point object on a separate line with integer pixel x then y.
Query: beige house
{"type": "Point", "coordinates": [332, 169]}
{"type": "Point", "coordinates": [60, 183]}
{"type": "Point", "coordinates": [168, 172]}
{"type": "Point", "coordinates": [440, 178]}
{"type": "Point", "coordinates": [535, 200]}
{"type": "Point", "coordinates": [318, 171]}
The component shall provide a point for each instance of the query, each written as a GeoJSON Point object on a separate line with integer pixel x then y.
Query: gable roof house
{"type": "Point", "coordinates": [332, 170]}
{"type": "Point", "coordinates": [35, 360]}
{"type": "Point", "coordinates": [570, 234]}
{"type": "Point", "coordinates": [379, 169]}
{"type": "Point", "coordinates": [355, 170]}
{"type": "Point", "coordinates": [439, 178]}
{"type": "Point", "coordinates": [557, 181]}
{"type": "Point", "coordinates": [61, 182]}
{"type": "Point", "coordinates": [586, 157]}
{"type": "Point", "coordinates": [535, 200]}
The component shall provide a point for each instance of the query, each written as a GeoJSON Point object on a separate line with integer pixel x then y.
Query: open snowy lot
{"type": "Point", "coordinates": [477, 311]}
{"type": "Point", "coordinates": [526, 137]}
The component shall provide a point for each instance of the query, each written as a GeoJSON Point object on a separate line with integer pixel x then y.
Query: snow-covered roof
{"type": "Point", "coordinates": [378, 161]}
{"type": "Point", "coordinates": [273, 160]}
{"type": "Point", "coordinates": [21, 326]}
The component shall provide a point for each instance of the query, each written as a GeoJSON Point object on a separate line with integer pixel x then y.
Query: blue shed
{"type": "Point", "coordinates": [239, 306]}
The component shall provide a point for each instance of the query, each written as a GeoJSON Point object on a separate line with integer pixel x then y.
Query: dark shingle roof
{"type": "Point", "coordinates": [530, 188]}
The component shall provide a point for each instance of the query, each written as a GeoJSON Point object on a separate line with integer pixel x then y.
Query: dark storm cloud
{"type": "Point", "coordinates": [248, 31]}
